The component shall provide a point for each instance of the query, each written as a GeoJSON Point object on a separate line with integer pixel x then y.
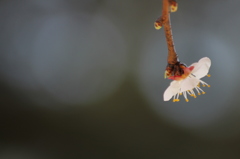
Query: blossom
{"type": "Point", "coordinates": [189, 81]}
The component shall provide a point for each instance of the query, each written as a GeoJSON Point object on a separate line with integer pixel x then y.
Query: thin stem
{"type": "Point", "coordinates": [172, 55]}
{"type": "Point", "coordinates": [174, 67]}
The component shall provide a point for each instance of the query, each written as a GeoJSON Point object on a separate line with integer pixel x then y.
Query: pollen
{"type": "Point", "coordinates": [157, 25]}
{"type": "Point", "coordinates": [203, 92]}
{"type": "Point", "coordinates": [187, 100]}
{"type": "Point", "coordinates": [209, 75]}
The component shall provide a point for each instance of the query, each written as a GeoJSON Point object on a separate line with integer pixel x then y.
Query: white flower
{"type": "Point", "coordinates": [190, 80]}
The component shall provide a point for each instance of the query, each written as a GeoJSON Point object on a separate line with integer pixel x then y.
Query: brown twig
{"type": "Point", "coordinates": [172, 55]}
{"type": "Point", "coordinates": [174, 67]}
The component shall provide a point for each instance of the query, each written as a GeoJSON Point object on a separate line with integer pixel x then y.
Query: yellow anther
{"type": "Point", "coordinates": [180, 93]}
{"type": "Point", "coordinates": [203, 92]}
{"type": "Point", "coordinates": [176, 100]}
{"type": "Point", "coordinates": [195, 96]}
{"type": "Point", "coordinates": [174, 6]}
{"type": "Point", "coordinates": [209, 75]}
{"type": "Point", "coordinates": [192, 95]}
{"type": "Point", "coordinates": [198, 85]}
{"type": "Point", "coordinates": [187, 100]}
{"type": "Point", "coordinates": [157, 25]}
{"type": "Point", "coordinates": [199, 93]}
{"type": "Point", "coordinates": [204, 85]}
{"type": "Point", "coordinates": [208, 85]}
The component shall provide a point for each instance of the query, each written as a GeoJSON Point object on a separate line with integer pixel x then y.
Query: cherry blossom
{"type": "Point", "coordinates": [189, 82]}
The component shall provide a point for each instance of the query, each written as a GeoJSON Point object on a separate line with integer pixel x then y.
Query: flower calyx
{"type": "Point", "coordinates": [175, 70]}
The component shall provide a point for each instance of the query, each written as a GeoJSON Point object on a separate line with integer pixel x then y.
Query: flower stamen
{"type": "Point", "coordinates": [190, 93]}
{"type": "Point", "coordinates": [193, 93]}
{"type": "Point", "coordinates": [174, 98]}
{"type": "Point", "coordinates": [204, 84]}
{"type": "Point", "coordinates": [185, 96]}
{"type": "Point", "coordinates": [178, 96]}
{"type": "Point", "coordinates": [200, 90]}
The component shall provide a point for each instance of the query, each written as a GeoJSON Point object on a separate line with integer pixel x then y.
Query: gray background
{"type": "Point", "coordinates": [85, 79]}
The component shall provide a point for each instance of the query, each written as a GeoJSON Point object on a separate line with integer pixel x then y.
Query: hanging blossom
{"type": "Point", "coordinates": [189, 82]}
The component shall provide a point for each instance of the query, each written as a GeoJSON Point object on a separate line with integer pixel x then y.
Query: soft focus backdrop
{"type": "Point", "coordinates": [85, 79]}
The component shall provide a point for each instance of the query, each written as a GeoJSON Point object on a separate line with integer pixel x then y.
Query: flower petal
{"type": "Point", "coordinates": [189, 83]}
{"type": "Point", "coordinates": [173, 89]}
{"type": "Point", "coordinates": [201, 68]}
{"type": "Point", "coordinates": [205, 60]}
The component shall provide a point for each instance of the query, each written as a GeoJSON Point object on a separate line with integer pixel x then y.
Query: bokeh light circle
{"type": "Point", "coordinates": [79, 61]}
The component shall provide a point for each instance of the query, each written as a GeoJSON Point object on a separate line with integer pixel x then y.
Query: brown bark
{"type": "Point", "coordinates": [172, 55]}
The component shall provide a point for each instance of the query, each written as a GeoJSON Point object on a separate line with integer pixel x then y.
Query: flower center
{"type": "Point", "coordinates": [187, 72]}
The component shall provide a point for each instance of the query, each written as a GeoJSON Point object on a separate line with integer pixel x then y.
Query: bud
{"type": "Point", "coordinates": [173, 5]}
{"type": "Point", "coordinates": [158, 25]}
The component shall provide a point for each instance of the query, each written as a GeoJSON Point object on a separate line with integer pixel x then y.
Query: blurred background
{"type": "Point", "coordinates": [85, 79]}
